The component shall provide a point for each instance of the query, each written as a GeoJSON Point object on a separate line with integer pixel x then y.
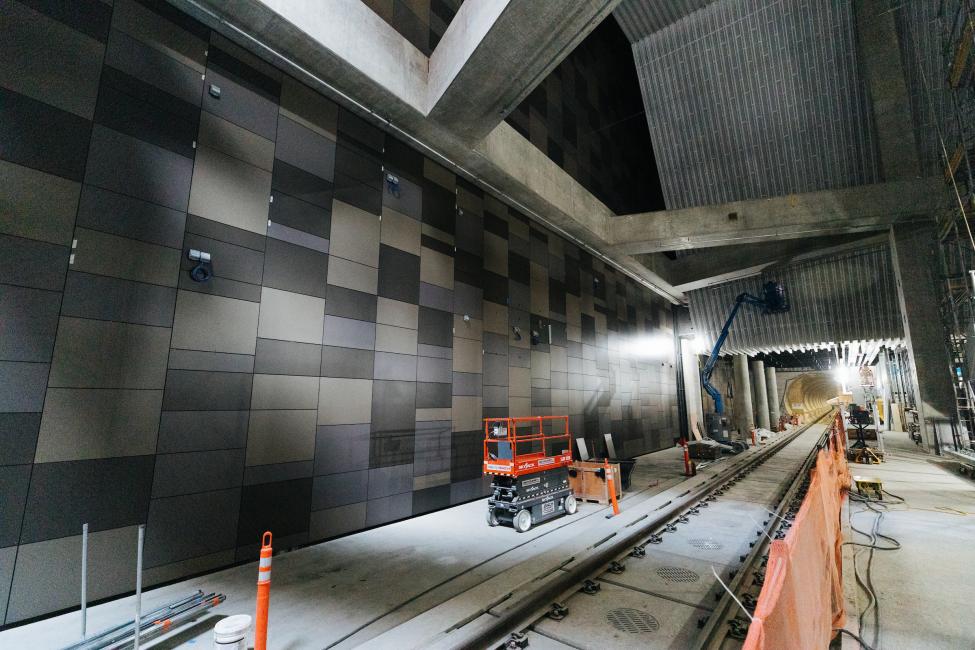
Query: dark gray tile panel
{"type": "Point", "coordinates": [301, 185]}
{"type": "Point", "coordinates": [129, 166]}
{"type": "Point", "coordinates": [225, 233]}
{"type": "Point", "coordinates": [350, 363]}
{"type": "Point", "coordinates": [37, 135]}
{"type": "Point", "coordinates": [18, 437]}
{"type": "Point", "coordinates": [104, 298]}
{"type": "Point", "coordinates": [22, 386]}
{"type": "Point", "coordinates": [216, 361]}
{"type": "Point", "coordinates": [190, 526]}
{"type": "Point", "coordinates": [393, 407]}
{"type": "Point", "coordinates": [295, 268]}
{"type": "Point", "coordinates": [118, 214]}
{"type": "Point", "coordinates": [30, 322]}
{"type": "Point", "coordinates": [300, 215]}
{"type": "Point", "coordinates": [200, 471]}
{"type": "Point", "coordinates": [274, 472]}
{"type": "Point", "coordinates": [13, 487]}
{"type": "Point", "coordinates": [152, 66]}
{"type": "Point", "coordinates": [341, 448]}
{"type": "Point", "coordinates": [202, 430]}
{"type": "Point", "coordinates": [240, 105]}
{"type": "Point", "coordinates": [348, 303]}
{"type": "Point", "coordinates": [388, 509]}
{"type": "Point", "coordinates": [34, 264]}
{"type": "Point", "coordinates": [288, 358]}
{"type": "Point", "coordinates": [188, 390]}
{"type": "Point", "coordinates": [305, 149]}
{"type": "Point", "coordinates": [339, 489]}
{"type": "Point", "coordinates": [106, 493]}
{"type": "Point", "coordinates": [431, 395]}
{"type": "Point", "coordinates": [399, 275]}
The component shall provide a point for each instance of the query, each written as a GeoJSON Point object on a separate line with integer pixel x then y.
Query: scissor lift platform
{"type": "Point", "coordinates": [528, 459]}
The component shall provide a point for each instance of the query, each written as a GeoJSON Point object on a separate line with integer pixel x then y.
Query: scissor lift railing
{"type": "Point", "coordinates": [518, 446]}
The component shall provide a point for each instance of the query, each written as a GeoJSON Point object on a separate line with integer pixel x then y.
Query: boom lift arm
{"type": "Point", "coordinates": [774, 301]}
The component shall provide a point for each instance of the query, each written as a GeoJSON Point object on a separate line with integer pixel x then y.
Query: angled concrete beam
{"type": "Point", "coordinates": [813, 214]}
{"type": "Point", "coordinates": [495, 52]}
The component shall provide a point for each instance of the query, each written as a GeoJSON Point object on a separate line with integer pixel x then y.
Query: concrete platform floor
{"type": "Point", "coordinates": [346, 591]}
{"type": "Point", "coordinates": [926, 588]}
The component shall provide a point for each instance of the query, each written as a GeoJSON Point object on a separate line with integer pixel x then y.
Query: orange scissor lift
{"type": "Point", "coordinates": [528, 459]}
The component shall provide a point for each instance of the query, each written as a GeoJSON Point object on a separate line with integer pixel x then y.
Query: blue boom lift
{"type": "Point", "coordinates": [773, 301]}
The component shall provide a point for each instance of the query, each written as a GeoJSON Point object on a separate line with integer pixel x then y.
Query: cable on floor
{"type": "Point", "coordinates": [880, 508]}
{"type": "Point", "coordinates": [863, 644]}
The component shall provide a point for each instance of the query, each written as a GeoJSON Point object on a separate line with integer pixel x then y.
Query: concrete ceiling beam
{"type": "Point", "coordinates": [813, 214]}
{"type": "Point", "coordinates": [495, 52]}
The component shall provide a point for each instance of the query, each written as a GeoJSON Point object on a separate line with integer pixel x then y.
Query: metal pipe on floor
{"type": "Point", "coordinates": [84, 581]}
{"type": "Point", "coordinates": [138, 586]}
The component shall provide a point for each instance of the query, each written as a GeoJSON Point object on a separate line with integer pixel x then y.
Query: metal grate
{"type": "Point", "coordinates": [706, 544]}
{"type": "Point", "coordinates": [633, 621]}
{"type": "Point", "coordinates": [677, 574]}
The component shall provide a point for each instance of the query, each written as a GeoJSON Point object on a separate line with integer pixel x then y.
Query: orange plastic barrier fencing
{"type": "Point", "coordinates": [802, 599]}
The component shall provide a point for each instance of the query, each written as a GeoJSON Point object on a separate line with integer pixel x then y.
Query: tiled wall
{"type": "Point", "coordinates": [421, 22]}
{"type": "Point", "coordinates": [587, 117]}
{"type": "Point", "coordinates": [334, 372]}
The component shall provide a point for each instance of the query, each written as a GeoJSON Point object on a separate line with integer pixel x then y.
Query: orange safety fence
{"type": "Point", "coordinates": [801, 602]}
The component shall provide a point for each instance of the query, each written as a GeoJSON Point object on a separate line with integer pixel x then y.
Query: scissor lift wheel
{"type": "Point", "coordinates": [522, 521]}
{"type": "Point", "coordinates": [570, 505]}
{"type": "Point", "coordinates": [492, 517]}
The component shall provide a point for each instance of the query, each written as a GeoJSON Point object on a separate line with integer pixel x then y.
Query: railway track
{"type": "Point", "coordinates": [647, 578]}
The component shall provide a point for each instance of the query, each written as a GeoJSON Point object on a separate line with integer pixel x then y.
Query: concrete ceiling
{"type": "Point", "coordinates": [786, 140]}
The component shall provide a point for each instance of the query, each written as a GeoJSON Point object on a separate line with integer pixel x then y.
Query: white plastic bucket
{"type": "Point", "coordinates": [231, 633]}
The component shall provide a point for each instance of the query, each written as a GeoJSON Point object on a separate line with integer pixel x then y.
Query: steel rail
{"type": "Point", "coordinates": [521, 607]}
{"type": "Point", "coordinates": [715, 630]}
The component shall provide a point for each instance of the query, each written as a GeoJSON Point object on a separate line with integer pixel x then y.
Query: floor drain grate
{"type": "Point", "coordinates": [706, 544]}
{"type": "Point", "coordinates": [634, 621]}
{"type": "Point", "coordinates": [677, 574]}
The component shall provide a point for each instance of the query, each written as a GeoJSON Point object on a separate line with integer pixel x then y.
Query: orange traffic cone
{"type": "Point", "coordinates": [263, 593]}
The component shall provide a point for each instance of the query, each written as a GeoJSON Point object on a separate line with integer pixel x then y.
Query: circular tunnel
{"type": "Point", "coordinates": [809, 393]}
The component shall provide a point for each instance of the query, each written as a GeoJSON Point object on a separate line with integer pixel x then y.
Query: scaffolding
{"type": "Point", "coordinates": [956, 244]}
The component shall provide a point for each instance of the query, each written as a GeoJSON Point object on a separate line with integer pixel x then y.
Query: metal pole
{"type": "Point", "coordinates": [138, 587]}
{"type": "Point", "coordinates": [84, 581]}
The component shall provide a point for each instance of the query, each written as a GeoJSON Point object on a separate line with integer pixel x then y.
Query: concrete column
{"type": "Point", "coordinates": [912, 253]}
{"type": "Point", "coordinates": [883, 378]}
{"type": "Point", "coordinates": [743, 397]}
{"type": "Point", "coordinates": [761, 394]}
{"type": "Point", "coordinates": [772, 390]}
{"type": "Point", "coordinates": [692, 393]}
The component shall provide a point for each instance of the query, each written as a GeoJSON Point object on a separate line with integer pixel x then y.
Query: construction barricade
{"type": "Point", "coordinates": [801, 602]}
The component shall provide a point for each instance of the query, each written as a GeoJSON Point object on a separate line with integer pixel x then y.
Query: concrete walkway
{"type": "Point", "coordinates": [926, 588]}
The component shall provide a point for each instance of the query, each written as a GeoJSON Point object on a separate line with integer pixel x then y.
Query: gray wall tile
{"type": "Point", "coordinates": [108, 354]}
{"type": "Point", "coordinates": [105, 298]}
{"type": "Point", "coordinates": [300, 146]}
{"type": "Point", "coordinates": [202, 430]}
{"type": "Point", "coordinates": [295, 268]}
{"type": "Point", "coordinates": [230, 191]}
{"type": "Point", "coordinates": [22, 386]}
{"type": "Point", "coordinates": [337, 521]}
{"type": "Point", "coordinates": [341, 448]}
{"type": "Point", "coordinates": [18, 437]}
{"type": "Point", "coordinates": [290, 316]}
{"type": "Point", "coordinates": [191, 525]}
{"type": "Point", "coordinates": [381, 511]}
{"type": "Point", "coordinates": [118, 257]}
{"type": "Point", "coordinates": [44, 568]}
{"type": "Point", "coordinates": [287, 358]}
{"type": "Point", "coordinates": [216, 361]}
{"type": "Point", "coordinates": [276, 472]}
{"type": "Point", "coordinates": [339, 489]}
{"type": "Point", "coordinates": [237, 142]}
{"type": "Point", "coordinates": [29, 318]}
{"type": "Point", "coordinates": [125, 165]}
{"type": "Point", "coordinates": [98, 423]}
{"type": "Point", "coordinates": [13, 487]}
{"type": "Point", "coordinates": [240, 105]}
{"type": "Point", "coordinates": [199, 471]}
{"type": "Point", "coordinates": [348, 333]}
{"type": "Point", "coordinates": [190, 390]}
{"type": "Point", "coordinates": [37, 205]}
{"type": "Point", "coordinates": [34, 264]}
{"type": "Point", "coordinates": [105, 493]}
{"type": "Point", "coordinates": [350, 363]}
{"type": "Point", "coordinates": [395, 366]}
